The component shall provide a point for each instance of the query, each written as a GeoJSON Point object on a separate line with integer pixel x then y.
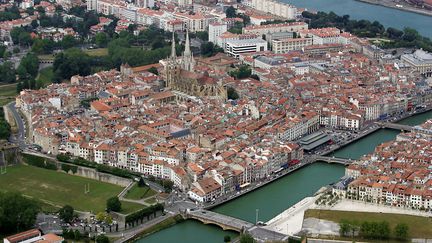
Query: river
{"type": "Point", "coordinates": [279, 195]}
{"type": "Point", "coordinates": [389, 17]}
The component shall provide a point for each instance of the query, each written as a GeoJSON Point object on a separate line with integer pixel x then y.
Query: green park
{"type": "Point", "coordinates": [56, 189]}
{"type": "Point", "coordinates": [418, 227]}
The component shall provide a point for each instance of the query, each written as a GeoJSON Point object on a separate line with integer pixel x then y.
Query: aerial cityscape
{"type": "Point", "coordinates": [215, 121]}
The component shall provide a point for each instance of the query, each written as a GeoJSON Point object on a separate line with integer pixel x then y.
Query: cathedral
{"type": "Point", "coordinates": [180, 76]}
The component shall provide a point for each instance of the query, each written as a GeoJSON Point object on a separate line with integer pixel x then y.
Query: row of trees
{"type": "Point", "coordinates": [5, 129]}
{"type": "Point", "coordinates": [374, 230]}
{"type": "Point", "coordinates": [144, 213]}
{"type": "Point", "coordinates": [364, 28]}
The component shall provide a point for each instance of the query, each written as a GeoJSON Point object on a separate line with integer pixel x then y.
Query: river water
{"type": "Point", "coordinates": [389, 17]}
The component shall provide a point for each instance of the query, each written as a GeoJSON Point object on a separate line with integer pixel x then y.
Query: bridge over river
{"type": "Point", "coordinates": [230, 223]}
{"type": "Point", "coordinates": [333, 159]}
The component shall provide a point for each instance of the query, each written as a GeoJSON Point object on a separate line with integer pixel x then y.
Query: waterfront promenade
{"type": "Point", "coordinates": [399, 6]}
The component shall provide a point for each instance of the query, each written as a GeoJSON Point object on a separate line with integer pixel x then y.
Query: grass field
{"type": "Point", "coordinates": [7, 90]}
{"type": "Point", "coordinates": [97, 52]}
{"type": "Point", "coordinates": [419, 227]}
{"type": "Point", "coordinates": [7, 93]}
{"type": "Point", "coordinates": [128, 207]}
{"type": "Point", "coordinates": [59, 188]}
{"type": "Point", "coordinates": [137, 193]}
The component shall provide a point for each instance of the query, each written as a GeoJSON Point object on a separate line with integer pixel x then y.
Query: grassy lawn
{"type": "Point", "coordinates": [46, 57]}
{"type": "Point", "coordinates": [137, 193]}
{"type": "Point", "coordinates": [4, 101]}
{"type": "Point", "coordinates": [45, 77]}
{"type": "Point", "coordinates": [97, 52]}
{"type": "Point", "coordinates": [58, 188]}
{"type": "Point", "coordinates": [8, 90]}
{"type": "Point", "coordinates": [128, 207]}
{"type": "Point", "coordinates": [419, 227]}
{"type": "Point", "coordinates": [151, 200]}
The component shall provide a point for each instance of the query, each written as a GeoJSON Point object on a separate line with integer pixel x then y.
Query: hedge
{"type": "Point", "coordinates": [99, 167]}
{"type": "Point", "coordinates": [39, 162]}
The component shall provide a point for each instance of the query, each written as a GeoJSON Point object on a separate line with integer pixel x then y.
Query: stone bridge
{"type": "Point", "coordinates": [335, 160]}
{"type": "Point", "coordinates": [223, 221]}
{"type": "Point", "coordinates": [395, 126]}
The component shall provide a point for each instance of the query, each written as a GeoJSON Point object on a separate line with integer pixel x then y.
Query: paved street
{"type": "Point", "coordinates": [21, 135]}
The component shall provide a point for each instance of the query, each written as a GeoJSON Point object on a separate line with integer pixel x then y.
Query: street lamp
{"type": "Point", "coordinates": [256, 216]}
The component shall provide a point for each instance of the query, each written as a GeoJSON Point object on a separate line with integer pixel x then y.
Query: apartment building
{"type": "Point", "coordinates": [276, 8]}
{"type": "Point", "coordinates": [216, 30]}
{"type": "Point", "coordinates": [292, 44]}
{"type": "Point", "coordinates": [274, 28]}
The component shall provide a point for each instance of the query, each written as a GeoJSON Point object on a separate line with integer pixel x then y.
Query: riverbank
{"type": "Point", "coordinates": [391, 4]}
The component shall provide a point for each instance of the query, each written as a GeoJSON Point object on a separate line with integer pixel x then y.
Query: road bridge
{"type": "Point", "coordinates": [395, 126]}
{"type": "Point", "coordinates": [259, 233]}
{"type": "Point", "coordinates": [223, 221]}
{"type": "Point", "coordinates": [335, 160]}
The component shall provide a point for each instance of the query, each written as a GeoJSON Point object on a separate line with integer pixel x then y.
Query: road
{"type": "Point", "coordinates": [20, 137]}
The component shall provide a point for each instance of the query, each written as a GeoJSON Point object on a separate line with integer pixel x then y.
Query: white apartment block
{"type": "Point", "coordinates": [275, 28]}
{"type": "Point", "coordinates": [195, 22]}
{"type": "Point", "coordinates": [237, 47]}
{"type": "Point", "coordinates": [291, 44]}
{"type": "Point", "coordinates": [276, 8]}
{"type": "Point", "coordinates": [216, 30]}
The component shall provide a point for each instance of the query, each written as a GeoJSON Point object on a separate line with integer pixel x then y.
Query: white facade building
{"type": "Point", "coordinates": [237, 47]}
{"type": "Point", "coordinates": [216, 30]}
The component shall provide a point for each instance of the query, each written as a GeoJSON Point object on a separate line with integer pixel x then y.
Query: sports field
{"type": "Point", "coordinates": [58, 188]}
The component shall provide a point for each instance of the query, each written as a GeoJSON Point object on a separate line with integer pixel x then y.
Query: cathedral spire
{"type": "Point", "coordinates": [173, 48]}
{"type": "Point", "coordinates": [187, 51]}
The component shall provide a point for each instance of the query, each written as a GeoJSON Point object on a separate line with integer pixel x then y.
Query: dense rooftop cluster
{"type": "Point", "coordinates": [397, 173]}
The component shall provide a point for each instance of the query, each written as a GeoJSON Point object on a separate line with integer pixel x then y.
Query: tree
{"type": "Point", "coordinates": [30, 65]}
{"type": "Point", "coordinates": [24, 39]}
{"type": "Point", "coordinates": [246, 238]}
{"type": "Point", "coordinates": [232, 93]}
{"type": "Point", "coordinates": [7, 73]}
{"type": "Point", "coordinates": [244, 71]}
{"type": "Point", "coordinates": [141, 182]}
{"type": "Point", "coordinates": [231, 12]}
{"type": "Point", "coordinates": [5, 131]}
{"type": "Point", "coordinates": [71, 62]}
{"type": "Point", "coordinates": [227, 238]}
{"type": "Point", "coordinates": [43, 46]}
{"type": "Point", "coordinates": [77, 235]}
{"type": "Point", "coordinates": [101, 216]}
{"type": "Point", "coordinates": [66, 213]}
{"type": "Point", "coordinates": [34, 24]}
{"type": "Point", "coordinates": [102, 239]}
{"type": "Point", "coordinates": [209, 49]}
{"type": "Point", "coordinates": [401, 231]}
{"type": "Point", "coordinates": [2, 50]}
{"type": "Point", "coordinates": [17, 213]}
{"type": "Point", "coordinates": [345, 227]}
{"type": "Point", "coordinates": [113, 204]}
{"type": "Point", "coordinates": [101, 39]}
{"type": "Point", "coordinates": [383, 231]}
{"type": "Point", "coordinates": [203, 35]}
{"type": "Point", "coordinates": [68, 42]}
